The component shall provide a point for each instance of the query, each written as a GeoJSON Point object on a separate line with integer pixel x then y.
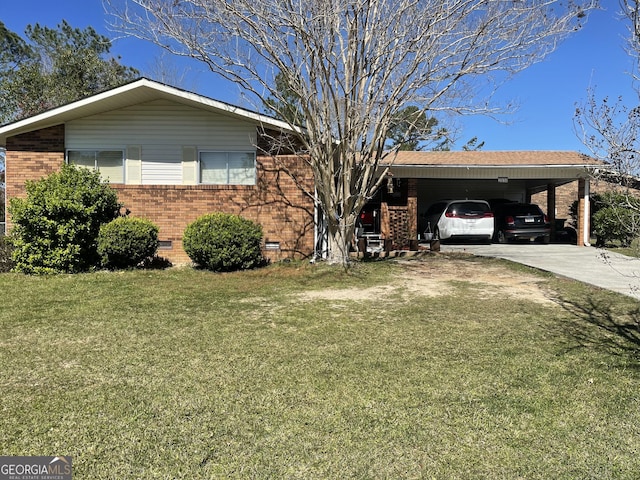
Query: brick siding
{"type": "Point", "coordinates": [567, 194]}
{"type": "Point", "coordinates": [32, 156]}
{"type": "Point", "coordinates": [279, 202]}
{"type": "Point", "coordinates": [281, 207]}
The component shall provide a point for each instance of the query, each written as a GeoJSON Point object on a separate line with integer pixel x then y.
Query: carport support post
{"type": "Point", "coordinates": [584, 216]}
{"type": "Point", "coordinates": [385, 227]}
{"type": "Point", "coordinates": [551, 208]}
{"type": "Point", "coordinates": [412, 208]}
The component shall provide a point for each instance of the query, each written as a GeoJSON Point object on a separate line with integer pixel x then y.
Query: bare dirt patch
{"type": "Point", "coordinates": [442, 277]}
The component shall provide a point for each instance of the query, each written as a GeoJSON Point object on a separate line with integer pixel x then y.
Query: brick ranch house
{"type": "Point", "coordinates": [173, 156]}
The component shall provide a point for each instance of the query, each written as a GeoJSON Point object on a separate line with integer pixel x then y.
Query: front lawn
{"type": "Point", "coordinates": [439, 367]}
{"type": "Point", "coordinates": [632, 251]}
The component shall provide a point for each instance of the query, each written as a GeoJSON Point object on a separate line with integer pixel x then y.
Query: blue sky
{"type": "Point", "coordinates": [547, 92]}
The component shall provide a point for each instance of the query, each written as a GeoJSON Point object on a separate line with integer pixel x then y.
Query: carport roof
{"type": "Point", "coordinates": [498, 159]}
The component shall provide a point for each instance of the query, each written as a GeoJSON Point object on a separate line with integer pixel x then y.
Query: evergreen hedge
{"type": "Point", "coordinates": [126, 242]}
{"type": "Point", "coordinates": [224, 242]}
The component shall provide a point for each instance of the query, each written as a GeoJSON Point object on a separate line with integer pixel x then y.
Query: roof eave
{"type": "Point", "coordinates": [126, 95]}
{"type": "Point", "coordinates": [529, 165]}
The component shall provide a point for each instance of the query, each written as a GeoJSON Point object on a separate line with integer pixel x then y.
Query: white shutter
{"type": "Point", "coordinates": [189, 166]}
{"type": "Point", "coordinates": [134, 165]}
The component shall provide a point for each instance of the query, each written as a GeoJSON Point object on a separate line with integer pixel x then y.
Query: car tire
{"type": "Point", "coordinates": [501, 237]}
{"type": "Point", "coordinates": [545, 240]}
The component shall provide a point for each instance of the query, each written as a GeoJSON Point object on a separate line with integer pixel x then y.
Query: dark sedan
{"type": "Point", "coordinates": [520, 221]}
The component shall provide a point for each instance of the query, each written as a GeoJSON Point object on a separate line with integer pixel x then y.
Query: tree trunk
{"type": "Point", "coordinates": [339, 240]}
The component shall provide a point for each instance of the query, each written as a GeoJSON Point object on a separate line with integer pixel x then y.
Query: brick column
{"type": "Point", "coordinates": [412, 208]}
{"type": "Point", "coordinates": [385, 222]}
{"type": "Point", "coordinates": [551, 208]}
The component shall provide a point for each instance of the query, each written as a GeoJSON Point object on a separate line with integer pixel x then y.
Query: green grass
{"type": "Point", "coordinates": [189, 374]}
{"type": "Point", "coordinates": [632, 251]}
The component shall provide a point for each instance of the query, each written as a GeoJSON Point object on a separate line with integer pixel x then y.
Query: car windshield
{"type": "Point", "coordinates": [468, 208]}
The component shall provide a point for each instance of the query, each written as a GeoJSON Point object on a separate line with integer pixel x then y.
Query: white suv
{"type": "Point", "coordinates": [459, 219]}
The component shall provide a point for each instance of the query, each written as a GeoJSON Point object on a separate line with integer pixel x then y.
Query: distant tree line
{"type": "Point", "coordinates": [51, 67]}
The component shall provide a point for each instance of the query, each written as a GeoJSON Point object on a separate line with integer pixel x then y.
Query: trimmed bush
{"type": "Point", "coordinates": [126, 242]}
{"type": "Point", "coordinates": [223, 242]}
{"type": "Point", "coordinates": [56, 227]}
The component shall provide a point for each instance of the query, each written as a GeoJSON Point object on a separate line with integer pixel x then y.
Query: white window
{"type": "Point", "coordinates": [228, 168]}
{"type": "Point", "coordinates": [110, 163]}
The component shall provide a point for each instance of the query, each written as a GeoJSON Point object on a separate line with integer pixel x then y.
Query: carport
{"type": "Point", "coordinates": [417, 179]}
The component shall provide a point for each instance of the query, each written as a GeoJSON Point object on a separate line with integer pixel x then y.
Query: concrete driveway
{"type": "Point", "coordinates": [586, 264]}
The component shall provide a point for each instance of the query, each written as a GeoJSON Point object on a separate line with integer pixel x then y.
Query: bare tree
{"type": "Point", "coordinates": [610, 128]}
{"type": "Point", "coordinates": [164, 69]}
{"type": "Point", "coordinates": [353, 64]}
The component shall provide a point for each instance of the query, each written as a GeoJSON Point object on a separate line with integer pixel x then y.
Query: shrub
{"type": "Point", "coordinates": [56, 227]}
{"type": "Point", "coordinates": [617, 218]}
{"type": "Point", "coordinates": [595, 204]}
{"type": "Point", "coordinates": [126, 242]}
{"type": "Point", "coordinates": [6, 249]}
{"type": "Point", "coordinates": [612, 224]}
{"type": "Point", "coordinates": [222, 242]}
